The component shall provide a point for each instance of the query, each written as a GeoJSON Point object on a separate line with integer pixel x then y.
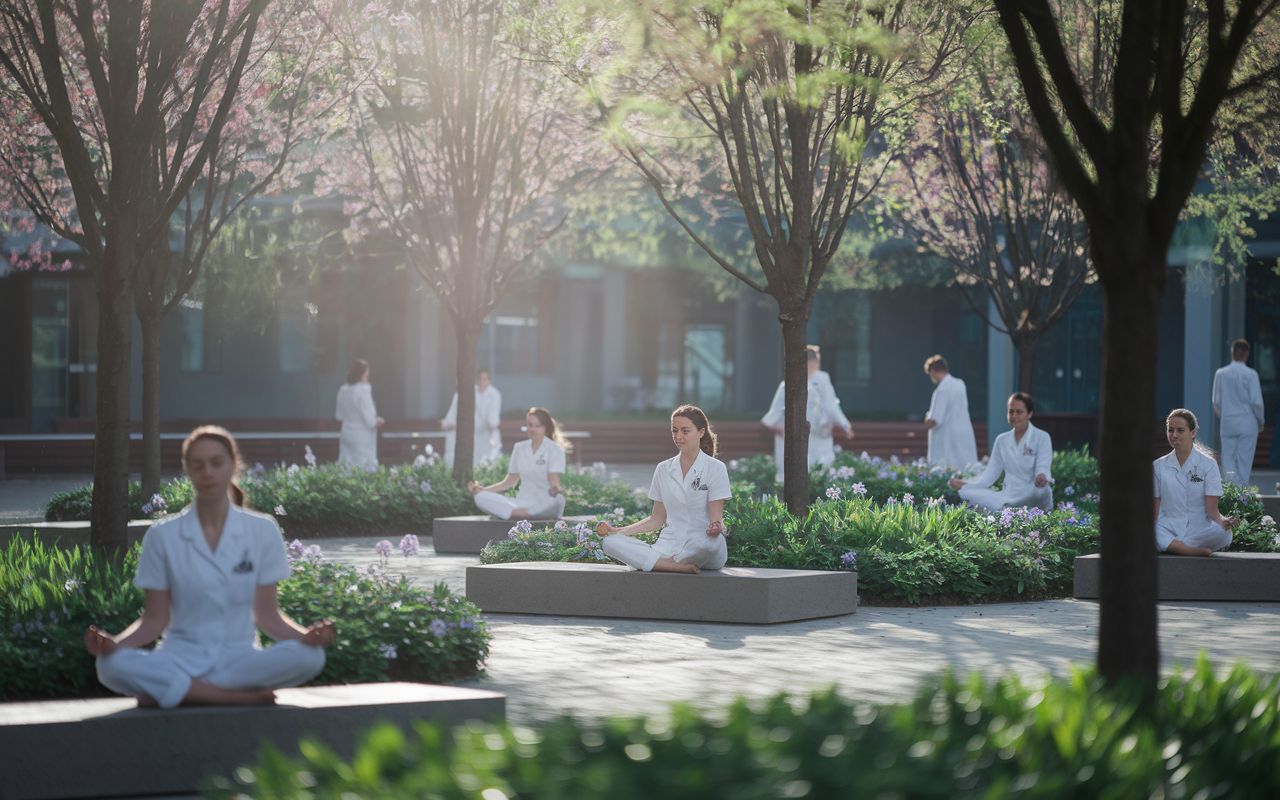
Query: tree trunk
{"type": "Point", "coordinates": [795, 447]}
{"type": "Point", "coordinates": [468, 335]}
{"type": "Point", "coordinates": [1026, 363]}
{"type": "Point", "coordinates": [1128, 644]}
{"type": "Point", "coordinates": [151, 325]}
{"type": "Point", "coordinates": [109, 516]}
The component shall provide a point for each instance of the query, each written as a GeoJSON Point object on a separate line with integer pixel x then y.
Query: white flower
{"type": "Point", "coordinates": [352, 589]}
{"type": "Point", "coordinates": [1268, 521]}
{"type": "Point", "coordinates": [280, 511]}
{"type": "Point", "coordinates": [387, 651]}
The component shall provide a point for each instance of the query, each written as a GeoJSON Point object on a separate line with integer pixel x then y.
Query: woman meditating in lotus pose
{"type": "Point", "coordinates": [688, 494]}
{"type": "Point", "coordinates": [210, 574]}
{"type": "Point", "coordinates": [1187, 488]}
{"type": "Point", "coordinates": [536, 464]}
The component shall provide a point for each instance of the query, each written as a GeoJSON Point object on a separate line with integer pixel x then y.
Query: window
{"type": "Point", "coordinates": [707, 368]}
{"type": "Point", "coordinates": [509, 345]}
{"type": "Point", "coordinates": [298, 320]}
{"type": "Point", "coordinates": [844, 333]}
{"type": "Point", "coordinates": [191, 312]}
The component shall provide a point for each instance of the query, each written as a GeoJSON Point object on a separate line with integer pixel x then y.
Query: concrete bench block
{"type": "Point", "coordinates": [66, 534]}
{"type": "Point", "coordinates": [742, 595]}
{"type": "Point", "coordinates": [471, 534]}
{"type": "Point", "coordinates": [1221, 576]}
{"type": "Point", "coordinates": [109, 747]}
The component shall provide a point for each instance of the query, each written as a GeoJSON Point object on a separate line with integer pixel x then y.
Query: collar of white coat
{"type": "Point", "coordinates": [1032, 432]}
{"type": "Point", "coordinates": [1196, 459]}
{"type": "Point", "coordinates": [232, 529]}
{"type": "Point", "coordinates": [699, 463]}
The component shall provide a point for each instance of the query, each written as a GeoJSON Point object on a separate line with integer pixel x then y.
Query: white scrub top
{"type": "Point", "coordinates": [1237, 397]}
{"type": "Point", "coordinates": [358, 442]}
{"type": "Point", "coordinates": [488, 441]}
{"type": "Point", "coordinates": [685, 497]}
{"type": "Point", "coordinates": [1182, 490]}
{"type": "Point", "coordinates": [533, 469]}
{"type": "Point", "coordinates": [951, 441]}
{"type": "Point", "coordinates": [211, 594]}
{"type": "Point", "coordinates": [1020, 462]}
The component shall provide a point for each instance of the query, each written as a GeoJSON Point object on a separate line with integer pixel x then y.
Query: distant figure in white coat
{"type": "Point", "coordinates": [1024, 455]}
{"type": "Point", "coordinates": [951, 440]}
{"type": "Point", "coordinates": [1237, 400]}
{"type": "Point", "coordinates": [488, 444]}
{"type": "Point", "coordinates": [1187, 490]}
{"type": "Point", "coordinates": [688, 494]}
{"type": "Point", "coordinates": [536, 464]}
{"type": "Point", "coordinates": [358, 441]}
{"type": "Point", "coordinates": [823, 412]}
{"type": "Point", "coordinates": [210, 575]}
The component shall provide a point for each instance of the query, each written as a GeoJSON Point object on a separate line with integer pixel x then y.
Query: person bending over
{"type": "Point", "coordinates": [1187, 488]}
{"type": "Point", "coordinates": [688, 493]}
{"type": "Point", "coordinates": [1024, 455]}
{"type": "Point", "coordinates": [536, 464]}
{"type": "Point", "coordinates": [210, 574]}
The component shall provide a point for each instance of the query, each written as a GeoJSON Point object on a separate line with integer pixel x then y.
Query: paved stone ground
{"type": "Point", "coordinates": [592, 668]}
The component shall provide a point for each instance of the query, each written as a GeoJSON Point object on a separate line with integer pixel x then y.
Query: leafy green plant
{"type": "Point", "coordinates": [1199, 737]}
{"type": "Point", "coordinates": [388, 629]}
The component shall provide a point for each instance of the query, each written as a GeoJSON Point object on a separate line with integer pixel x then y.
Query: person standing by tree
{"type": "Point", "coordinates": [823, 413]}
{"type": "Point", "coordinates": [951, 440]}
{"type": "Point", "coordinates": [488, 441]}
{"type": "Point", "coordinates": [358, 442]}
{"type": "Point", "coordinates": [1237, 400]}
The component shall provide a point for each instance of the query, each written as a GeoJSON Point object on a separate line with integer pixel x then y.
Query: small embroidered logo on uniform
{"type": "Point", "coordinates": [245, 564]}
{"type": "Point", "coordinates": [1195, 475]}
{"type": "Point", "coordinates": [697, 481]}
{"type": "Point", "coordinates": [1027, 451]}
{"type": "Point", "coordinates": [542, 461]}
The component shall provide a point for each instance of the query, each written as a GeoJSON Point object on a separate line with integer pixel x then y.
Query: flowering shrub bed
{"type": "Point", "coordinates": [337, 500]}
{"type": "Point", "coordinates": [1199, 737]}
{"type": "Point", "coordinates": [387, 628]}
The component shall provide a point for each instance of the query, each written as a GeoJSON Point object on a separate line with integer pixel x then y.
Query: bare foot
{"type": "Point", "coordinates": [520, 513]}
{"type": "Point", "coordinates": [204, 694]}
{"type": "Point", "coordinates": [1177, 548]}
{"type": "Point", "coordinates": [668, 564]}
{"type": "Point", "coordinates": [145, 701]}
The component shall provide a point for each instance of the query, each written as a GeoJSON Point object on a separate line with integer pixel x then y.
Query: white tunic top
{"type": "Point", "coordinates": [534, 469]}
{"type": "Point", "coordinates": [1237, 397]}
{"type": "Point", "coordinates": [488, 442]}
{"type": "Point", "coordinates": [358, 442]}
{"type": "Point", "coordinates": [951, 442]}
{"type": "Point", "coordinates": [1020, 462]}
{"type": "Point", "coordinates": [1182, 490]}
{"type": "Point", "coordinates": [686, 497]}
{"type": "Point", "coordinates": [211, 593]}
{"type": "Point", "coordinates": [823, 410]}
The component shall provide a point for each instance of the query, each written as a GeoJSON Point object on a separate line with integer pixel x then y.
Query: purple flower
{"type": "Point", "coordinates": [420, 461]}
{"type": "Point", "coordinates": [409, 545]}
{"type": "Point", "coordinates": [733, 463]}
{"type": "Point", "coordinates": [424, 486]}
{"type": "Point", "coordinates": [296, 548]}
{"type": "Point", "coordinates": [858, 488]}
{"type": "Point", "coordinates": [258, 468]}
{"type": "Point", "coordinates": [437, 628]}
{"type": "Point", "coordinates": [387, 651]}
{"type": "Point", "coordinates": [908, 499]}
{"type": "Point", "coordinates": [310, 458]}
{"type": "Point", "coordinates": [158, 501]}
{"type": "Point", "coordinates": [833, 493]}
{"type": "Point", "coordinates": [382, 548]}
{"type": "Point", "coordinates": [1070, 490]}
{"type": "Point", "coordinates": [561, 526]}
{"type": "Point", "coordinates": [850, 560]}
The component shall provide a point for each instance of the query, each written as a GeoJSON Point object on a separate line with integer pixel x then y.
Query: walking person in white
{"type": "Point", "coordinates": [951, 440]}
{"type": "Point", "coordinates": [488, 443]}
{"type": "Point", "coordinates": [358, 441]}
{"type": "Point", "coordinates": [823, 413]}
{"type": "Point", "coordinates": [688, 494]}
{"type": "Point", "coordinates": [1187, 490]}
{"type": "Point", "coordinates": [1024, 455]}
{"type": "Point", "coordinates": [210, 574]}
{"type": "Point", "coordinates": [536, 464]}
{"type": "Point", "coordinates": [1237, 400]}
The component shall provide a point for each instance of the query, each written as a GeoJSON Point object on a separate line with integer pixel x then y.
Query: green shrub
{"type": "Point", "coordinates": [51, 595]}
{"type": "Point", "coordinates": [1201, 737]}
{"type": "Point", "coordinates": [339, 500]}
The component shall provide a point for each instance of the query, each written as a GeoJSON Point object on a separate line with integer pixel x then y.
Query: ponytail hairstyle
{"type": "Point", "coordinates": [708, 442]}
{"type": "Point", "coordinates": [550, 426]}
{"type": "Point", "coordinates": [223, 437]}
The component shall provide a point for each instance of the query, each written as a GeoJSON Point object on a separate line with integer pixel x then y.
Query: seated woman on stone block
{"type": "Point", "coordinates": [1187, 488]}
{"type": "Point", "coordinates": [210, 575]}
{"type": "Point", "coordinates": [1024, 455]}
{"type": "Point", "coordinates": [536, 464]}
{"type": "Point", "coordinates": [688, 494]}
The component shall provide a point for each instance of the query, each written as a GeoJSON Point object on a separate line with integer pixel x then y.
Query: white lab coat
{"type": "Point", "coordinates": [211, 633]}
{"type": "Point", "coordinates": [1020, 462]}
{"type": "Point", "coordinates": [534, 494]}
{"type": "Point", "coordinates": [823, 413]}
{"type": "Point", "coordinates": [1237, 399]}
{"type": "Point", "coordinates": [686, 498]}
{"type": "Point", "coordinates": [951, 442]}
{"type": "Point", "coordinates": [488, 443]}
{"type": "Point", "coordinates": [358, 441]}
{"type": "Point", "coordinates": [1182, 489]}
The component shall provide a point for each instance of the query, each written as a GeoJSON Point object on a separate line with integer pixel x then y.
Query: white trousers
{"type": "Point", "coordinates": [990, 499]}
{"type": "Point", "coordinates": [1209, 534]}
{"type": "Point", "coordinates": [501, 506]}
{"type": "Point", "coordinates": [158, 675]}
{"type": "Point", "coordinates": [707, 552]}
{"type": "Point", "coordinates": [1237, 456]}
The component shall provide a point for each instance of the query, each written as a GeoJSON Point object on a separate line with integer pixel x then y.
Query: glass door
{"type": "Point", "coordinates": [49, 301]}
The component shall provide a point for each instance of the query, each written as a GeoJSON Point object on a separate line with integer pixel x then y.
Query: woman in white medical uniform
{"type": "Point", "coordinates": [358, 441]}
{"type": "Point", "coordinates": [1187, 488]}
{"type": "Point", "coordinates": [688, 494]}
{"type": "Point", "coordinates": [536, 464]}
{"type": "Point", "coordinates": [1024, 455]}
{"type": "Point", "coordinates": [210, 574]}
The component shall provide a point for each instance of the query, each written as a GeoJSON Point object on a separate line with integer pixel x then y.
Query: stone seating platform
{"type": "Point", "coordinates": [471, 534]}
{"type": "Point", "coordinates": [68, 534]}
{"type": "Point", "coordinates": [741, 595]}
{"type": "Point", "coordinates": [1221, 576]}
{"type": "Point", "coordinates": [108, 747]}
